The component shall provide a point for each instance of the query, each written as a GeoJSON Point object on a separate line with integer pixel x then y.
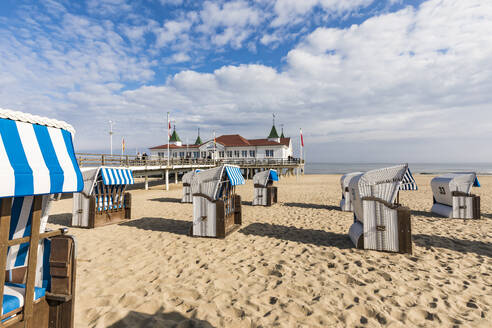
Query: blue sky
{"type": "Point", "coordinates": [367, 80]}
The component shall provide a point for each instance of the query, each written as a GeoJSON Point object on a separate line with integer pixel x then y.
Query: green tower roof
{"type": "Point", "coordinates": [174, 136]}
{"type": "Point", "coordinates": [282, 135]}
{"type": "Point", "coordinates": [198, 140]}
{"type": "Point", "coordinates": [273, 133]}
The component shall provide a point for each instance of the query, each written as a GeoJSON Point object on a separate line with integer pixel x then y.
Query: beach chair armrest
{"type": "Point", "coordinates": [382, 201]}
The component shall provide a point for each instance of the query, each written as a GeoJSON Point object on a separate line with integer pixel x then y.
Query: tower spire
{"type": "Point", "coordinates": [282, 134]}
{"type": "Point", "coordinates": [198, 140]}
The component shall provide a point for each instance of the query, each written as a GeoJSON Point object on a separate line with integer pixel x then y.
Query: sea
{"type": "Point", "coordinates": [423, 168]}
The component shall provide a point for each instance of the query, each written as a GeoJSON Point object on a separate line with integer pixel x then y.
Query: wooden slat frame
{"type": "Point", "coordinates": [5, 213]}
{"type": "Point", "coordinates": [32, 261]}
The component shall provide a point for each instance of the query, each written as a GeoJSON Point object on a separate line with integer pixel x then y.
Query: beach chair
{"type": "Point", "coordinates": [379, 224]}
{"type": "Point", "coordinates": [187, 177]}
{"type": "Point", "coordinates": [452, 197]}
{"type": "Point", "coordinates": [265, 193]}
{"type": "Point", "coordinates": [216, 207]}
{"type": "Point", "coordinates": [346, 201]}
{"type": "Point", "coordinates": [37, 160]}
{"type": "Point", "coordinates": [104, 199]}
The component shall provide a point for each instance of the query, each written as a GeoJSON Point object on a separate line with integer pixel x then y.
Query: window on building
{"type": "Point", "coordinates": [175, 154]}
{"type": "Point", "coordinates": [244, 153]}
{"type": "Point", "coordinates": [204, 154]}
{"type": "Point", "coordinates": [181, 154]}
{"type": "Point", "coordinates": [269, 153]}
{"type": "Point", "coordinates": [229, 153]}
{"type": "Point", "coordinates": [221, 154]}
{"type": "Point", "coordinates": [251, 153]}
{"type": "Point", "coordinates": [236, 153]}
{"type": "Point", "coordinates": [196, 154]}
{"type": "Point", "coordinates": [188, 154]}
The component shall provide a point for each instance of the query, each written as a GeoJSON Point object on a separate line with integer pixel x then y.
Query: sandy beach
{"type": "Point", "coordinates": [291, 265]}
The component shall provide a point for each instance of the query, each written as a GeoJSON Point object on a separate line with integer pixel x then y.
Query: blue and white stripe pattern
{"type": "Point", "coordinates": [20, 226]}
{"type": "Point", "coordinates": [235, 175]}
{"type": "Point", "coordinates": [116, 176]}
{"type": "Point", "coordinates": [36, 159]}
{"type": "Point", "coordinates": [408, 182]}
{"type": "Point", "coordinates": [14, 294]}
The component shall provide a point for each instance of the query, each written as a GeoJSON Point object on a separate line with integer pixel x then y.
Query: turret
{"type": "Point", "coordinates": [198, 140]}
{"type": "Point", "coordinates": [273, 136]}
{"type": "Point", "coordinates": [175, 138]}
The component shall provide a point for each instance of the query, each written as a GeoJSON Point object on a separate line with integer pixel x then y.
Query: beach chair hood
{"type": "Point", "coordinates": [408, 182]}
{"type": "Point", "coordinates": [207, 182]}
{"type": "Point", "coordinates": [110, 176]}
{"type": "Point", "coordinates": [443, 186]}
{"type": "Point", "coordinates": [36, 156]}
{"type": "Point", "coordinates": [188, 176]}
{"type": "Point", "coordinates": [345, 179]}
{"type": "Point", "coordinates": [382, 183]}
{"type": "Point", "coordinates": [262, 178]}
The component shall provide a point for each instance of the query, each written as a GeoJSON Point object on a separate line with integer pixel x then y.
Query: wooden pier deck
{"type": "Point", "coordinates": [161, 167]}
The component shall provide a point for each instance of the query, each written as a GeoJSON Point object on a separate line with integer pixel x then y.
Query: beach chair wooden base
{"type": "Point", "coordinates": [224, 224]}
{"type": "Point", "coordinates": [56, 308]}
{"type": "Point", "coordinates": [391, 233]}
{"type": "Point", "coordinates": [265, 196]}
{"type": "Point", "coordinates": [102, 218]}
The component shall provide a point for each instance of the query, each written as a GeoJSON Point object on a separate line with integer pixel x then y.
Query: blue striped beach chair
{"type": "Point", "coordinates": [104, 199]}
{"type": "Point", "coordinates": [216, 207]}
{"type": "Point", "coordinates": [37, 161]}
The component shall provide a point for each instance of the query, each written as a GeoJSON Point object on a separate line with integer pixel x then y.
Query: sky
{"type": "Point", "coordinates": [366, 80]}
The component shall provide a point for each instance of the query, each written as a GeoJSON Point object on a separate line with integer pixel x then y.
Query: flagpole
{"type": "Point", "coordinates": [168, 123]}
{"type": "Point", "coordinates": [214, 146]}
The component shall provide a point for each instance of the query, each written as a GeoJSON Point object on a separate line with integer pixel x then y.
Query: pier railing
{"type": "Point", "coordinates": [85, 160]}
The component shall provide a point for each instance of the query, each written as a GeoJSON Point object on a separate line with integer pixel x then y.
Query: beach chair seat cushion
{"type": "Point", "coordinates": [13, 296]}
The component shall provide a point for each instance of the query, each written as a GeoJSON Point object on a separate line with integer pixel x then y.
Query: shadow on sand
{"type": "Point", "coordinates": [458, 245]}
{"type": "Point", "coordinates": [167, 200]}
{"type": "Point", "coordinates": [159, 319]}
{"type": "Point", "coordinates": [425, 214]}
{"type": "Point", "coordinates": [64, 219]}
{"type": "Point", "coordinates": [160, 224]}
{"type": "Point", "coordinates": [306, 236]}
{"type": "Point", "coordinates": [316, 206]}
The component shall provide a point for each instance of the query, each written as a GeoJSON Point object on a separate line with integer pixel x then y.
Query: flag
{"type": "Point", "coordinates": [215, 138]}
{"type": "Point", "coordinates": [169, 127]}
{"type": "Point", "coordinates": [123, 144]}
{"type": "Point", "coordinates": [302, 139]}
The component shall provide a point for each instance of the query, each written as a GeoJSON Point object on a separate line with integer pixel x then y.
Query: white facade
{"type": "Point", "coordinates": [278, 151]}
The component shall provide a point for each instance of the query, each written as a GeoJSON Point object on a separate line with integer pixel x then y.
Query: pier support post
{"type": "Point", "coordinates": [176, 177]}
{"type": "Point", "coordinates": [146, 181]}
{"type": "Point", "coordinates": [167, 179]}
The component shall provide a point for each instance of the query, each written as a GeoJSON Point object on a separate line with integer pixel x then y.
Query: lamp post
{"type": "Point", "coordinates": [111, 136]}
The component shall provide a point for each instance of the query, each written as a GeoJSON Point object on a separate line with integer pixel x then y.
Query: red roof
{"type": "Point", "coordinates": [234, 140]}
{"type": "Point", "coordinates": [173, 146]}
{"type": "Point", "coordinates": [266, 142]}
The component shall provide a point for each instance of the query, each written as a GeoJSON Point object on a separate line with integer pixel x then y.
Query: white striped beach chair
{"type": "Point", "coordinates": [346, 201]}
{"type": "Point", "coordinates": [452, 197]}
{"type": "Point", "coordinates": [216, 207]}
{"type": "Point", "coordinates": [265, 194]}
{"type": "Point", "coordinates": [104, 199]}
{"type": "Point", "coordinates": [36, 160]}
{"type": "Point", "coordinates": [186, 179]}
{"type": "Point", "coordinates": [379, 224]}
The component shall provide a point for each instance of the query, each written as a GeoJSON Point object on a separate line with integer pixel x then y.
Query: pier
{"type": "Point", "coordinates": [161, 167]}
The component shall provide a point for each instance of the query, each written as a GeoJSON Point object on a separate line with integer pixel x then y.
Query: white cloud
{"type": "Point", "coordinates": [237, 20]}
{"type": "Point", "coordinates": [294, 11]}
{"type": "Point", "coordinates": [419, 77]}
